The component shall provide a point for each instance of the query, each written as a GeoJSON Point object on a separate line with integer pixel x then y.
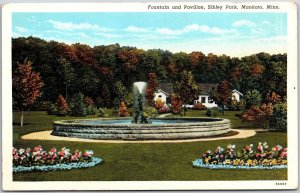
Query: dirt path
{"type": "Point", "coordinates": [46, 135]}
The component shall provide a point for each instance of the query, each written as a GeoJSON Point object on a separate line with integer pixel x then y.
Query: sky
{"type": "Point", "coordinates": [234, 34]}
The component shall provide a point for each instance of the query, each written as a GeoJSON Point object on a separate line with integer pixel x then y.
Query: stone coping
{"type": "Point", "coordinates": [202, 121]}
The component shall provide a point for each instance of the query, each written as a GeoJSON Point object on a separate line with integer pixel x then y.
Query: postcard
{"type": "Point", "coordinates": [149, 96]}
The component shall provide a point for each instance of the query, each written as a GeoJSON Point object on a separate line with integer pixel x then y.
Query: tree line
{"type": "Point", "coordinates": [106, 73]}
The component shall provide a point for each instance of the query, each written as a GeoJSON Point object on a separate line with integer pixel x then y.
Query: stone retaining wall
{"type": "Point", "coordinates": [77, 128]}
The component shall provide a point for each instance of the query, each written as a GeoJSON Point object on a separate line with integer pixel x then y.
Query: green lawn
{"type": "Point", "coordinates": [144, 161]}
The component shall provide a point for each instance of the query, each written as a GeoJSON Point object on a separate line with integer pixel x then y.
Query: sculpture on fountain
{"type": "Point", "coordinates": [139, 102]}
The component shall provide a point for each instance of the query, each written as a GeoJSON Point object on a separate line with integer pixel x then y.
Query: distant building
{"type": "Point", "coordinates": [204, 95]}
{"type": "Point", "coordinates": [161, 95]}
{"type": "Point", "coordinates": [165, 90]}
{"type": "Point", "coordinates": [236, 95]}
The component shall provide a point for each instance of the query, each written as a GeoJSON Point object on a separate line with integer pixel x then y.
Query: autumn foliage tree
{"type": "Point", "coordinates": [259, 115]}
{"type": "Point", "coordinates": [63, 107]}
{"type": "Point", "coordinates": [186, 88]}
{"type": "Point", "coordinates": [27, 86]}
{"type": "Point", "coordinates": [152, 85]}
{"type": "Point", "coordinates": [176, 104]}
{"type": "Point", "coordinates": [221, 95]}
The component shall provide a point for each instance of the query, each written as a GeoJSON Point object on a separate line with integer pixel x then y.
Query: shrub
{"type": "Point", "coordinates": [208, 113]}
{"type": "Point", "coordinates": [253, 98]}
{"type": "Point", "coordinates": [278, 120]}
{"type": "Point", "coordinates": [150, 112]}
{"type": "Point", "coordinates": [199, 106]}
{"type": "Point", "coordinates": [90, 108]}
{"type": "Point", "coordinates": [215, 113]}
{"type": "Point", "coordinates": [164, 109]}
{"type": "Point", "coordinates": [123, 109]}
{"type": "Point", "coordinates": [212, 112]}
{"type": "Point", "coordinates": [115, 112]}
{"type": "Point", "coordinates": [102, 113]}
{"type": "Point", "coordinates": [176, 104]}
{"type": "Point", "coordinates": [52, 109]}
{"type": "Point", "coordinates": [259, 115]}
{"type": "Point", "coordinates": [237, 106]}
{"type": "Point", "coordinates": [62, 105]}
{"type": "Point", "coordinates": [78, 106]}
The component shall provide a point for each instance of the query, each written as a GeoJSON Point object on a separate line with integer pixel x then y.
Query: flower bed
{"type": "Point", "coordinates": [25, 160]}
{"type": "Point", "coordinates": [261, 157]}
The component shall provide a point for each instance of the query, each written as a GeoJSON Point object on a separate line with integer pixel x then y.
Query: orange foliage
{"type": "Point", "coordinates": [27, 85]}
{"type": "Point", "coordinates": [176, 104]}
{"type": "Point", "coordinates": [129, 58]}
{"type": "Point", "coordinates": [195, 58]}
{"type": "Point", "coordinates": [258, 115]}
{"type": "Point", "coordinates": [123, 109]}
{"type": "Point", "coordinates": [273, 98]}
{"type": "Point", "coordinates": [257, 69]}
{"type": "Point", "coordinates": [62, 106]}
{"type": "Point", "coordinates": [199, 106]}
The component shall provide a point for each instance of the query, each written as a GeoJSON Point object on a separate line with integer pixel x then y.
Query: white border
{"type": "Point", "coordinates": [8, 184]}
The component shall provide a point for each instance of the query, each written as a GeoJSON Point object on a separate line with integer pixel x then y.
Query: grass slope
{"type": "Point", "coordinates": [143, 161]}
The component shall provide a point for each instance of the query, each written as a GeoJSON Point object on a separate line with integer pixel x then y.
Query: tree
{"type": "Point", "coordinates": [278, 120]}
{"type": "Point", "coordinates": [259, 115]}
{"type": "Point", "coordinates": [68, 73]}
{"type": "Point", "coordinates": [120, 90]}
{"type": "Point", "coordinates": [253, 98]}
{"type": "Point", "coordinates": [90, 110]}
{"type": "Point", "coordinates": [176, 104]}
{"type": "Point", "coordinates": [222, 95]}
{"type": "Point", "coordinates": [62, 104]}
{"type": "Point", "coordinates": [186, 88]}
{"type": "Point", "coordinates": [27, 86]}
{"type": "Point", "coordinates": [151, 88]}
{"type": "Point", "coordinates": [78, 106]}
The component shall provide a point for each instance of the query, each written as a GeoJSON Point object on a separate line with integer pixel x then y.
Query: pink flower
{"type": "Point", "coordinates": [38, 148]}
{"type": "Point", "coordinates": [88, 153]}
{"type": "Point", "coordinates": [28, 150]}
{"type": "Point", "coordinates": [283, 154]}
{"type": "Point", "coordinates": [248, 148]}
{"type": "Point", "coordinates": [14, 151]}
{"type": "Point", "coordinates": [16, 156]}
{"type": "Point", "coordinates": [37, 158]}
{"type": "Point", "coordinates": [22, 157]}
{"type": "Point", "coordinates": [52, 150]}
{"type": "Point", "coordinates": [21, 151]}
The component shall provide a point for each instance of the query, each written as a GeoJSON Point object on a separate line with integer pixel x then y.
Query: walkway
{"type": "Point", "coordinates": [46, 135]}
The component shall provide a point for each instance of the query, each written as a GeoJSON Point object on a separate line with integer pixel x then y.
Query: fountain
{"type": "Point", "coordinates": [139, 101]}
{"type": "Point", "coordinates": [140, 127]}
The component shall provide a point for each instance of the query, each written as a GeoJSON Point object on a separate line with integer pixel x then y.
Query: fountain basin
{"type": "Point", "coordinates": [123, 129]}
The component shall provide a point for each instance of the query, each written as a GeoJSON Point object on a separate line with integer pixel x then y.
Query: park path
{"type": "Point", "coordinates": [164, 115]}
{"type": "Point", "coordinates": [46, 135]}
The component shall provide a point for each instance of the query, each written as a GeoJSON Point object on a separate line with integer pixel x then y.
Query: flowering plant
{"type": "Point", "coordinates": [248, 157]}
{"type": "Point", "coordinates": [164, 109]}
{"type": "Point", "coordinates": [39, 157]}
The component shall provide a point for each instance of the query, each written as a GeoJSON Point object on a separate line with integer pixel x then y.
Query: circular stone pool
{"type": "Point", "coordinates": [123, 129]}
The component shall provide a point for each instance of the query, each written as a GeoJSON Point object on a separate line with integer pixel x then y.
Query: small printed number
{"type": "Point", "coordinates": [280, 183]}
